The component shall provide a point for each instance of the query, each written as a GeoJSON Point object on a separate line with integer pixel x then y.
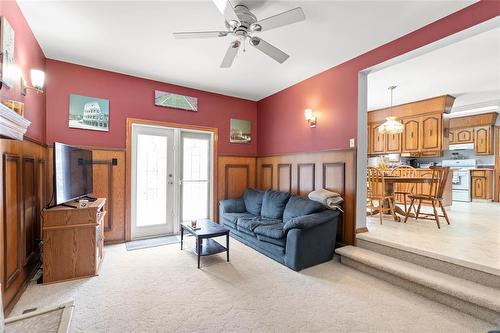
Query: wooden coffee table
{"type": "Point", "coordinates": [204, 232]}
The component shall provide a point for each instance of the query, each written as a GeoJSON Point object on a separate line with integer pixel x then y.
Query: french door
{"type": "Point", "coordinates": [172, 175]}
{"type": "Point", "coordinates": [153, 190]}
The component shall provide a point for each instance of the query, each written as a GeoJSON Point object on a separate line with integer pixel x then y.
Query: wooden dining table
{"type": "Point", "coordinates": [389, 188]}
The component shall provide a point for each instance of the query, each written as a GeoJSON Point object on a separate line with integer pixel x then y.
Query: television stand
{"type": "Point", "coordinates": [68, 205]}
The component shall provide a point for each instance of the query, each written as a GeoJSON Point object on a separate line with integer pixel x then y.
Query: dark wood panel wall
{"type": "Point", "coordinates": [235, 174]}
{"type": "Point", "coordinates": [22, 196]}
{"type": "Point", "coordinates": [301, 173]}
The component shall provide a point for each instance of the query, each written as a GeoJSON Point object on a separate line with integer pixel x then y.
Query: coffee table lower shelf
{"type": "Point", "coordinates": [209, 247]}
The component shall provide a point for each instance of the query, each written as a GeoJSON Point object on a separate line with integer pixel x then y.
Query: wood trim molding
{"type": "Point", "coordinates": [8, 280]}
{"type": "Point", "coordinates": [308, 152]}
{"type": "Point", "coordinates": [128, 161]}
{"type": "Point", "coordinates": [28, 257]}
{"type": "Point", "coordinates": [289, 166]}
{"type": "Point", "coordinates": [361, 230]}
{"type": "Point", "coordinates": [267, 166]}
{"type": "Point", "coordinates": [326, 165]}
{"type": "Point", "coordinates": [300, 165]}
{"type": "Point", "coordinates": [226, 180]}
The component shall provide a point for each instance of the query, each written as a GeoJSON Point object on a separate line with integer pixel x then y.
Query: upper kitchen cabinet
{"type": "Point", "coordinates": [432, 133]}
{"type": "Point", "coordinates": [476, 129]}
{"type": "Point", "coordinates": [423, 123]}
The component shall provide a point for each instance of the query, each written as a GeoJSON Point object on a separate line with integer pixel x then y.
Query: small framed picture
{"type": "Point", "coordinates": [240, 131]}
{"type": "Point", "coordinates": [88, 113]}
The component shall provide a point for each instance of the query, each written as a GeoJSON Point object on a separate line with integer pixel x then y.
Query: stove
{"type": "Point", "coordinates": [461, 181]}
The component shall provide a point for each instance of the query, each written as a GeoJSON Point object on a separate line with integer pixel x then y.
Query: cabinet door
{"type": "Point", "coordinates": [431, 133]}
{"type": "Point", "coordinates": [452, 137]}
{"type": "Point", "coordinates": [411, 135]}
{"type": "Point", "coordinates": [378, 140]}
{"type": "Point", "coordinates": [479, 187]}
{"type": "Point", "coordinates": [465, 135]}
{"type": "Point", "coordinates": [393, 143]}
{"type": "Point", "coordinates": [482, 140]}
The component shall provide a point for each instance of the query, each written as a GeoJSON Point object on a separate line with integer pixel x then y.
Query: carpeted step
{"type": "Point", "coordinates": [475, 299]}
{"type": "Point", "coordinates": [465, 270]}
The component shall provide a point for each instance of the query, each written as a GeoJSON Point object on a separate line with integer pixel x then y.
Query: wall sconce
{"type": "Point", "coordinates": [37, 81]}
{"type": "Point", "coordinates": [310, 117]}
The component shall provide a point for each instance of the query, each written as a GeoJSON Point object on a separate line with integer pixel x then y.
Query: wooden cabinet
{"type": "Point", "coordinates": [482, 140]}
{"type": "Point", "coordinates": [377, 140]}
{"type": "Point", "coordinates": [73, 241]}
{"type": "Point", "coordinates": [411, 135]}
{"type": "Point", "coordinates": [461, 135]}
{"type": "Point", "coordinates": [432, 134]}
{"type": "Point", "coordinates": [482, 184]}
{"type": "Point", "coordinates": [393, 143]}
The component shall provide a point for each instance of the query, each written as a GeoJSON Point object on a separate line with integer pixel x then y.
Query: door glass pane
{"type": "Point", "coordinates": [195, 178]}
{"type": "Point", "coordinates": [151, 180]}
{"type": "Point", "coordinates": [195, 160]}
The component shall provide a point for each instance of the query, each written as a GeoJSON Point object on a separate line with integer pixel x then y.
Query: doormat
{"type": "Point", "coordinates": [151, 242]}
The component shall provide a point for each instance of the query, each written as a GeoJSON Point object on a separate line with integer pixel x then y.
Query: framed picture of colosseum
{"type": "Point", "coordinates": [88, 113]}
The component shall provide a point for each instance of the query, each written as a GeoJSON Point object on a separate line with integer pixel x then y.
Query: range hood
{"type": "Point", "coordinates": [462, 146]}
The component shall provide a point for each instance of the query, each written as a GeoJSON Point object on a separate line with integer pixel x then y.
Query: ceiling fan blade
{"type": "Point", "coordinates": [200, 34]}
{"type": "Point", "coordinates": [279, 20]}
{"type": "Point", "coordinates": [227, 10]}
{"type": "Point", "coordinates": [231, 53]}
{"type": "Point", "coordinates": [268, 49]}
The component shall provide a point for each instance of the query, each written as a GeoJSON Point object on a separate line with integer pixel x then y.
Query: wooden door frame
{"type": "Point", "coordinates": [128, 162]}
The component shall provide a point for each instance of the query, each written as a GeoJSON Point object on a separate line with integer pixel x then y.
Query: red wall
{"type": "Point", "coordinates": [134, 98]}
{"type": "Point", "coordinates": [333, 94]}
{"type": "Point", "coordinates": [28, 55]}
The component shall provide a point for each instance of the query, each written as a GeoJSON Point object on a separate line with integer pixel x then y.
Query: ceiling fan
{"type": "Point", "coordinates": [243, 25]}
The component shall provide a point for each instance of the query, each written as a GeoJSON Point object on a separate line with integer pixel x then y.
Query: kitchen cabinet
{"type": "Point", "coordinates": [393, 143]}
{"type": "Point", "coordinates": [377, 140]}
{"type": "Point", "coordinates": [461, 135]}
{"type": "Point", "coordinates": [411, 135]}
{"type": "Point", "coordinates": [482, 184]}
{"type": "Point", "coordinates": [431, 135]}
{"type": "Point", "coordinates": [482, 140]}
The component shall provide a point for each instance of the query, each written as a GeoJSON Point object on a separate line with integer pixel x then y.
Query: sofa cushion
{"type": "Point", "coordinates": [279, 242]}
{"type": "Point", "coordinates": [251, 223]}
{"type": "Point", "coordinates": [298, 206]}
{"type": "Point", "coordinates": [274, 204]}
{"type": "Point", "coordinates": [232, 218]}
{"type": "Point", "coordinates": [253, 200]}
{"type": "Point", "coordinates": [272, 231]}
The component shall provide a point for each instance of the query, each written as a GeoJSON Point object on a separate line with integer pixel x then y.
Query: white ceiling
{"type": "Point", "coordinates": [468, 70]}
{"type": "Point", "coordinates": [135, 37]}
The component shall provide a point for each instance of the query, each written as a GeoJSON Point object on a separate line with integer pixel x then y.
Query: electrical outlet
{"type": "Point", "coordinates": [352, 143]}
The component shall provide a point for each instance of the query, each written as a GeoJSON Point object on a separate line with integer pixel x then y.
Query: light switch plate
{"type": "Point", "coordinates": [352, 143]}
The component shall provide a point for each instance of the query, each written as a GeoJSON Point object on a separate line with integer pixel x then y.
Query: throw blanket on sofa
{"type": "Point", "coordinates": [330, 199]}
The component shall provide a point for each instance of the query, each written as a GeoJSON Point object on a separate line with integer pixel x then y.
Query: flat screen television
{"type": "Point", "coordinates": [72, 173]}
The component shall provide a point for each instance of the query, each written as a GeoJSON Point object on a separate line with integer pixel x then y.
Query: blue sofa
{"type": "Point", "coordinates": [290, 229]}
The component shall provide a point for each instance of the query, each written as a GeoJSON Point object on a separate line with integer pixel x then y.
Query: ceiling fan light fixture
{"type": "Point", "coordinates": [256, 27]}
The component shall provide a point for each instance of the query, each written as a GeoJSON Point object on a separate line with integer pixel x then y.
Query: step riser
{"type": "Point", "coordinates": [462, 272]}
{"type": "Point", "coordinates": [451, 301]}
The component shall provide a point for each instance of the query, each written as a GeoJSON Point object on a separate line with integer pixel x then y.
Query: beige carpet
{"type": "Point", "coordinates": [160, 290]}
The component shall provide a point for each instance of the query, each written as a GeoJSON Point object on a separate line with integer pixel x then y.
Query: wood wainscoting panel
{"type": "Point", "coordinates": [29, 193]}
{"type": "Point", "coordinates": [109, 183]}
{"type": "Point", "coordinates": [22, 184]}
{"type": "Point", "coordinates": [284, 177]}
{"type": "Point", "coordinates": [334, 170]}
{"type": "Point", "coordinates": [266, 176]}
{"type": "Point", "coordinates": [235, 174]}
{"type": "Point", "coordinates": [306, 178]}
{"type": "Point", "coordinates": [12, 219]}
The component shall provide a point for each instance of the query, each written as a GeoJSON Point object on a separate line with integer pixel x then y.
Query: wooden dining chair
{"type": "Point", "coordinates": [433, 194]}
{"type": "Point", "coordinates": [377, 192]}
{"type": "Point", "coordinates": [402, 190]}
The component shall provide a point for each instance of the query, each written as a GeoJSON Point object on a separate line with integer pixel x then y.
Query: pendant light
{"type": "Point", "coordinates": [391, 125]}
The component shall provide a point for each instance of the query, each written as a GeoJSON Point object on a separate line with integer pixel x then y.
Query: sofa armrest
{"type": "Point", "coordinates": [312, 246]}
{"type": "Point", "coordinates": [232, 206]}
{"type": "Point", "coordinates": [311, 220]}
